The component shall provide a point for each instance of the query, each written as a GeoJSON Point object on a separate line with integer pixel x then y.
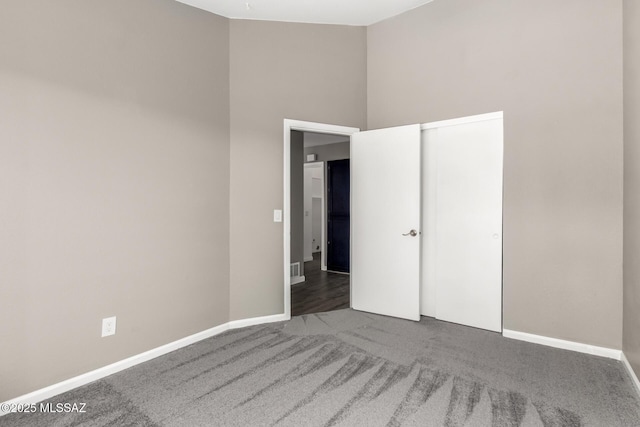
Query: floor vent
{"type": "Point", "coordinates": [295, 269]}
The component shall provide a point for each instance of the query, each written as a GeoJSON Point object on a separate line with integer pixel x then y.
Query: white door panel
{"type": "Point", "coordinates": [468, 231]}
{"type": "Point", "coordinates": [385, 204]}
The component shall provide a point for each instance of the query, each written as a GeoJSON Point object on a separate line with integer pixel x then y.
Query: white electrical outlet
{"type": "Point", "coordinates": [109, 326]}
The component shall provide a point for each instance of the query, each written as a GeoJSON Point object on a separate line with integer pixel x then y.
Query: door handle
{"type": "Point", "coordinates": [412, 233]}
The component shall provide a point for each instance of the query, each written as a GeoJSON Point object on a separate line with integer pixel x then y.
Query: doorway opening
{"type": "Point", "coordinates": [315, 222]}
{"type": "Point", "coordinates": [444, 178]}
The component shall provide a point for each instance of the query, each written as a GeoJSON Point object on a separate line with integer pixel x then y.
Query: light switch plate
{"type": "Point", "coordinates": [277, 215]}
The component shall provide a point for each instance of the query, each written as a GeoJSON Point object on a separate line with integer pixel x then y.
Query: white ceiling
{"type": "Point", "coordinates": [344, 12]}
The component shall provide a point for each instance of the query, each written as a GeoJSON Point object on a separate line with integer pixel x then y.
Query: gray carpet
{"type": "Point", "coordinates": [356, 369]}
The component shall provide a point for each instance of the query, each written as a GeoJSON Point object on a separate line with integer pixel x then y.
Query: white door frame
{"type": "Point", "coordinates": [301, 126]}
{"type": "Point", "coordinates": [322, 166]}
{"type": "Point", "coordinates": [463, 120]}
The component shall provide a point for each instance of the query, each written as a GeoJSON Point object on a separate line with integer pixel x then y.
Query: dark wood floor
{"type": "Point", "coordinates": [321, 291]}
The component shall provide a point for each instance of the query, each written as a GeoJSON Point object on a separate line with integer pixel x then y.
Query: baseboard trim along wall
{"type": "Point", "coordinates": [632, 374]}
{"type": "Point", "coordinates": [234, 324]}
{"type": "Point", "coordinates": [566, 345]}
{"type": "Point", "coordinates": [80, 380]}
{"type": "Point", "coordinates": [576, 346]}
{"type": "Point", "coordinates": [297, 279]}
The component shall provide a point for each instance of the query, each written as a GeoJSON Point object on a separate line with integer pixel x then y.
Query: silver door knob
{"type": "Point", "coordinates": [412, 233]}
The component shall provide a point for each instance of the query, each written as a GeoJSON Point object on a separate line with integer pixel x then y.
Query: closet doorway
{"type": "Point", "coordinates": [425, 219]}
{"type": "Point", "coordinates": [434, 245]}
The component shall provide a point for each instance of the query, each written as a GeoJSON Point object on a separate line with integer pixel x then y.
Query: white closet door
{"type": "Point", "coordinates": [385, 221]}
{"type": "Point", "coordinates": [468, 247]}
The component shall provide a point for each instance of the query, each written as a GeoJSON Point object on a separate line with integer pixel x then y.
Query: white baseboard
{"type": "Point", "coordinates": [80, 380]}
{"type": "Point", "coordinates": [297, 279]}
{"type": "Point", "coordinates": [566, 345]}
{"type": "Point", "coordinates": [632, 374]}
{"type": "Point", "coordinates": [234, 324]}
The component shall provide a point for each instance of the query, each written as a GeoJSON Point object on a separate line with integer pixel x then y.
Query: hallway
{"type": "Point", "coordinates": [321, 291]}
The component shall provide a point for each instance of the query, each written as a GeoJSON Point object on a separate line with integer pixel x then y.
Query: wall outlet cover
{"type": "Point", "coordinates": [108, 326]}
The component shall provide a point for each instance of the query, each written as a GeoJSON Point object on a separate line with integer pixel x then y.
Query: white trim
{"type": "Point", "coordinates": [86, 378]}
{"type": "Point", "coordinates": [323, 222]}
{"type": "Point", "coordinates": [297, 279]}
{"type": "Point", "coordinates": [632, 374]}
{"type": "Point", "coordinates": [566, 345]}
{"type": "Point", "coordinates": [80, 380]}
{"type": "Point", "coordinates": [307, 259]}
{"type": "Point", "coordinates": [302, 126]}
{"type": "Point", "coordinates": [463, 120]}
{"type": "Point", "coordinates": [323, 218]}
{"type": "Point", "coordinates": [242, 323]}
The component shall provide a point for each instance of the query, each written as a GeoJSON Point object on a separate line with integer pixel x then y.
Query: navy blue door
{"type": "Point", "coordinates": [338, 215]}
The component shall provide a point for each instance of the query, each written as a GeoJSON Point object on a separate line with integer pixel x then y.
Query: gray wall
{"type": "Point", "coordinates": [297, 199]}
{"type": "Point", "coordinates": [337, 151]}
{"type": "Point", "coordinates": [631, 338]}
{"type": "Point", "coordinates": [114, 182]}
{"type": "Point", "coordinates": [555, 68]}
{"type": "Point", "coordinates": [280, 70]}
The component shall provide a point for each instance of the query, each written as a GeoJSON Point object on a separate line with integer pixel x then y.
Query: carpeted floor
{"type": "Point", "coordinates": [356, 369]}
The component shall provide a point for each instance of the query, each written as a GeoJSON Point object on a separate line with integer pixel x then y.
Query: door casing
{"type": "Point", "coordinates": [302, 126]}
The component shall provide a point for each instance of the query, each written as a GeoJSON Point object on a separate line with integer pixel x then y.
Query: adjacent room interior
{"type": "Point", "coordinates": [320, 226]}
{"type": "Point", "coordinates": [141, 171]}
